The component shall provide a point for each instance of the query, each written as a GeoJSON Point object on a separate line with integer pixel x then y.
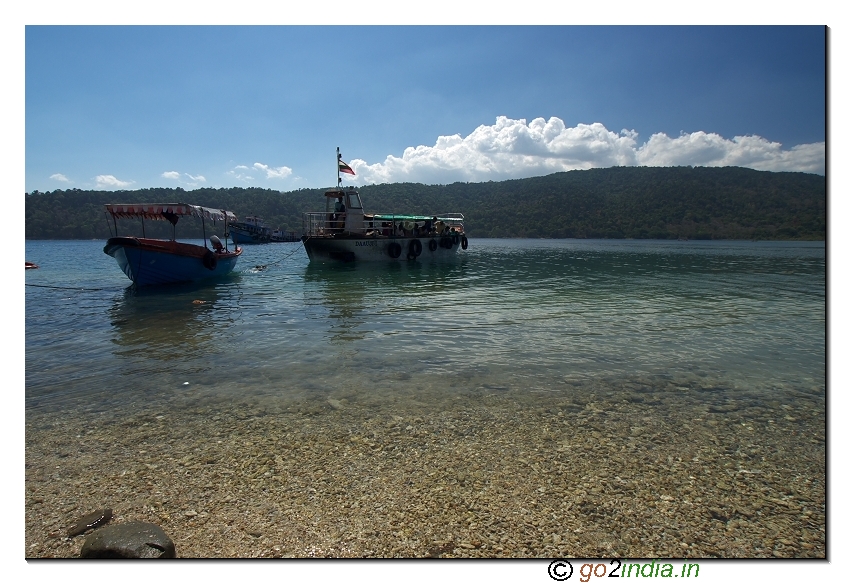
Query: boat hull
{"type": "Point", "coordinates": [284, 237]}
{"type": "Point", "coordinates": [250, 233]}
{"type": "Point", "coordinates": [156, 262]}
{"type": "Point", "coordinates": [382, 249]}
{"type": "Point", "coordinates": [241, 238]}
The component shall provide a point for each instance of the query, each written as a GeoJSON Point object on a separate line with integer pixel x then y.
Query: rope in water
{"type": "Point", "coordinates": [69, 288]}
{"type": "Point", "coordinates": [258, 268]}
{"type": "Point", "coordinates": [262, 267]}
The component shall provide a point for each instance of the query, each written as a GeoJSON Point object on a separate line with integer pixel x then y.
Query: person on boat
{"type": "Point", "coordinates": [439, 226]}
{"type": "Point", "coordinates": [339, 211]}
{"type": "Point", "coordinates": [428, 227]}
{"type": "Point", "coordinates": [216, 243]}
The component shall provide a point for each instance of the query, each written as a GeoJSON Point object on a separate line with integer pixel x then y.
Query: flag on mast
{"type": "Point", "coordinates": [345, 168]}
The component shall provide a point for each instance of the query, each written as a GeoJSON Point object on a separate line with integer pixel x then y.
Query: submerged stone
{"type": "Point", "coordinates": [132, 540]}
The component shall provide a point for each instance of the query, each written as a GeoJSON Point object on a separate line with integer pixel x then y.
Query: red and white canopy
{"type": "Point", "coordinates": [157, 211]}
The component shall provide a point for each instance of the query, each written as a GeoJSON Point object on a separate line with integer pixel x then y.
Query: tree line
{"type": "Point", "coordinates": [620, 202]}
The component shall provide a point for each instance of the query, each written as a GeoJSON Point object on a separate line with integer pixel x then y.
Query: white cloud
{"type": "Point", "coordinates": [239, 175]}
{"type": "Point", "coordinates": [244, 173]}
{"type": "Point", "coordinates": [59, 177]}
{"type": "Point", "coordinates": [190, 181]}
{"type": "Point", "coordinates": [109, 181]}
{"type": "Point", "coordinates": [279, 172]}
{"type": "Point", "coordinates": [516, 149]}
{"type": "Point", "coordinates": [702, 149]}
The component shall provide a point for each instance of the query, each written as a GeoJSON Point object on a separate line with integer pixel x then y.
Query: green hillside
{"type": "Point", "coordinates": [625, 202]}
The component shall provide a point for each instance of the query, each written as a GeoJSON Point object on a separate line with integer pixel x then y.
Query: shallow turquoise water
{"type": "Point", "coordinates": [528, 316]}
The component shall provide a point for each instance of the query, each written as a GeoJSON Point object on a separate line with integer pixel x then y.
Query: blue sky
{"type": "Point", "coordinates": [116, 107]}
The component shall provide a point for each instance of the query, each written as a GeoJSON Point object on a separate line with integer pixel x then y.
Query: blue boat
{"type": "Point", "coordinates": [251, 231]}
{"type": "Point", "coordinates": [147, 261]}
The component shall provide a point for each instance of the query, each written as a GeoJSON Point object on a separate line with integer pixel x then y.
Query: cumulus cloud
{"type": "Point", "coordinates": [109, 181]}
{"type": "Point", "coordinates": [239, 175]}
{"type": "Point", "coordinates": [189, 180]}
{"type": "Point", "coordinates": [279, 172]}
{"type": "Point", "coordinates": [516, 149]}
{"type": "Point", "coordinates": [248, 173]}
{"type": "Point", "coordinates": [59, 177]}
{"type": "Point", "coordinates": [702, 149]}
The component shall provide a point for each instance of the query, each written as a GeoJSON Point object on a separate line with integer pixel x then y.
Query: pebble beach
{"type": "Point", "coordinates": [633, 470]}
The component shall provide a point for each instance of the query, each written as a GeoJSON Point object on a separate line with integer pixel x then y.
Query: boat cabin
{"type": "Point", "coordinates": [345, 210]}
{"type": "Point", "coordinates": [344, 217]}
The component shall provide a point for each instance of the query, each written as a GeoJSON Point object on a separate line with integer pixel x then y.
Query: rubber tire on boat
{"type": "Point", "coordinates": [432, 245]}
{"type": "Point", "coordinates": [394, 250]}
{"type": "Point", "coordinates": [210, 260]}
{"type": "Point", "coordinates": [446, 242]}
{"type": "Point", "coordinates": [415, 248]}
{"type": "Point", "coordinates": [455, 239]}
{"type": "Point", "coordinates": [464, 242]}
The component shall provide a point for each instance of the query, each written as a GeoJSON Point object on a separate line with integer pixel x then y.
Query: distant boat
{"type": "Point", "coordinates": [279, 236]}
{"type": "Point", "coordinates": [343, 232]}
{"type": "Point", "coordinates": [31, 265]}
{"type": "Point", "coordinates": [251, 231]}
{"type": "Point", "coordinates": [159, 261]}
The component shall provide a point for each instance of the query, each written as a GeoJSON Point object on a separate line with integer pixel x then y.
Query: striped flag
{"type": "Point", "coordinates": [345, 168]}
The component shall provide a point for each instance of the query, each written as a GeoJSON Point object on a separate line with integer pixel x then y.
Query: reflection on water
{"type": "Point", "coordinates": [363, 300]}
{"type": "Point", "coordinates": [170, 324]}
{"type": "Point", "coordinates": [523, 316]}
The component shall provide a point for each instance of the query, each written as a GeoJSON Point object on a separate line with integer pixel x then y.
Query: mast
{"type": "Point", "coordinates": [338, 158]}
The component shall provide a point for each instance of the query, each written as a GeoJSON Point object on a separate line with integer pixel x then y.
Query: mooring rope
{"type": "Point", "coordinates": [69, 288]}
{"type": "Point", "coordinates": [262, 267]}
{"type": "Point", "coordinates": [258, 268]}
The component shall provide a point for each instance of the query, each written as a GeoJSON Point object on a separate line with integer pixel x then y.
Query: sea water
{"type": "Point", "coordinates": [513, 316]}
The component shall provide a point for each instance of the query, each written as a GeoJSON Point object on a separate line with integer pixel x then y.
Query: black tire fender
{"type": "Point", "coordinates": [432, 245]}
{"type": "Point", "coordinates": [415, 248]}
{"type": "Point", "coordinates": [464, 242]}
{"type": "Point", "coordinates": [210, 260]}
{"type": "Point", "coordinates": [394, 250]}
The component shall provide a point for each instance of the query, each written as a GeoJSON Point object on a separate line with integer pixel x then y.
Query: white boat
{"type": "Point", "coordinates": [250, 231]}
{"type": "Point", "coordinates": [347, 233]}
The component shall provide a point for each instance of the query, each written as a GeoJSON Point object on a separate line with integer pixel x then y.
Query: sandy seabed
{"type": "Point", "coordinates": [615, 472]}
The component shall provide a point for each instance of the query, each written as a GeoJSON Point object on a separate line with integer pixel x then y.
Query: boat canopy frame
{"type": "Point", "coordinates": [160, 211]}
{"type": "Point", "coordinates": [170, 212]}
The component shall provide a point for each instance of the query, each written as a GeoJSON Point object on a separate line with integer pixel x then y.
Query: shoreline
{"type": "Point", "coordinates": [615, 473]}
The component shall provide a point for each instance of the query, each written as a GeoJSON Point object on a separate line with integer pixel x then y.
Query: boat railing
{"type": "Point", "coordinates": [323, 224]}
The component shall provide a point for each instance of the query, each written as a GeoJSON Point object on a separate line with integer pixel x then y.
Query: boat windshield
{"type": "Point", "coordinates": [354, 201]}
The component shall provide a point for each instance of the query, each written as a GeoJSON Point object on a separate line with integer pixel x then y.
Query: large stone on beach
{"type": "Point", "coordinates": [132, 540]}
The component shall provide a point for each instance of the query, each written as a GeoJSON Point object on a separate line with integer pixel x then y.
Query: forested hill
{"type": "Point", "coordinates": [624, 202]}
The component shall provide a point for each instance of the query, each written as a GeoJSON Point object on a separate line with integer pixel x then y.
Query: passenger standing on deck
{"type": "Point", "coordinates": [339, 210]}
